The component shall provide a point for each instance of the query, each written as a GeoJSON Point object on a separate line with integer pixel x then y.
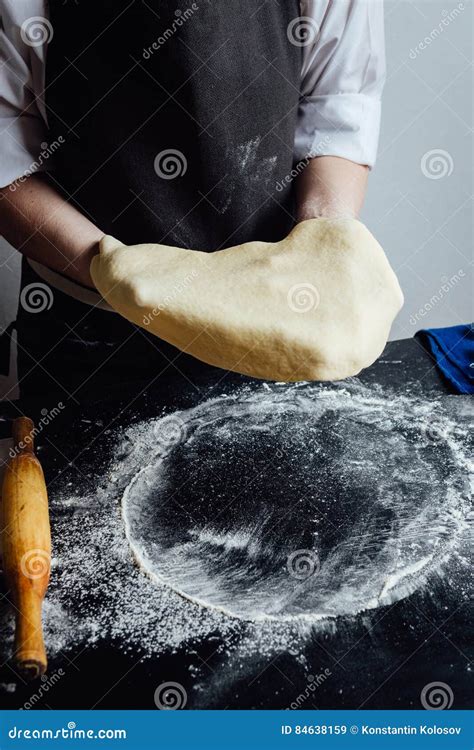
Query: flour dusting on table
{"type": "Point", "coordinates": [216, 500]}
{"type": "Point", "coordinates": [298, 502]}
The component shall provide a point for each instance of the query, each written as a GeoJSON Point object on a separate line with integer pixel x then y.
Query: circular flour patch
{"type": "Point", "coordinates": [298, 502]}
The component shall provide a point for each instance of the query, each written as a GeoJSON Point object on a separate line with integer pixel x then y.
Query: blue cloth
{"type": "Point", "coordinates": [453, 350]}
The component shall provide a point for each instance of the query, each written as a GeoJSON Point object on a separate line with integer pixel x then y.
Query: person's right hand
{"type": "Point", "coordinates": [41, 224]}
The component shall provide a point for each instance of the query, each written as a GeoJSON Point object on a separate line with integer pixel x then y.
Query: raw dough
{"type": "Point", "coordinates": [317, 305]}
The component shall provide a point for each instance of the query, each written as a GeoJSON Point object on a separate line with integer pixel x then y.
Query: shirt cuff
{"type": "Point", "coordinates": [22, 144]}
{"type": "Point", "coordinates": [345, 125]}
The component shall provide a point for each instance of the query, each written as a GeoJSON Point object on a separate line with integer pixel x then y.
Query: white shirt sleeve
{"type": "Point", "coordinates": [23, 128]}
{"type": "Point", "coordinates": [342, 80]}
{"type": "Point", "coordinates": [343, 72]}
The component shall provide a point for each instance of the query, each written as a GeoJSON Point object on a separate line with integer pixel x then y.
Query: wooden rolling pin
{"type": "Point", "coordinates": [26, 545]}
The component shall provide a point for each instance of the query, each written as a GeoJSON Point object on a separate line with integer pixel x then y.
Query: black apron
{"type": "Point", "coordinates": [175, 124]}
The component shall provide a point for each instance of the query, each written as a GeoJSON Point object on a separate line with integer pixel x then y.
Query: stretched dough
{"type": "Point", "coordinates": [317, 305]}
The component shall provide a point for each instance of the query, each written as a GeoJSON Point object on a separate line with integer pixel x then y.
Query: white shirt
{"type": "Point", "coordinates": [342, 77]}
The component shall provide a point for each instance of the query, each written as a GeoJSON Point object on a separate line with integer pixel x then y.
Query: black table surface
{"type": "Point", "coordinates": [378, 663]}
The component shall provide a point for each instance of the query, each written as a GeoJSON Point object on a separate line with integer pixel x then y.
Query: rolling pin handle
{"type": "Point", "coordinates": [23, 435]}
{"type": "Point", "coordinates": [30, 652]}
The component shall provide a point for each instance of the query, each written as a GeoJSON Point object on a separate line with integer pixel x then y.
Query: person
{"type": "Point", "coordinates": [199, 125]}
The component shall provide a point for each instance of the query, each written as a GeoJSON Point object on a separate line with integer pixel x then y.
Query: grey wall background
{"type": "Point", "coordinates": [419, 203]}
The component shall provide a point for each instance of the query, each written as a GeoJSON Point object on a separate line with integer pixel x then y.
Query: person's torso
{"type": "Point", "coordinates": [177, 120]}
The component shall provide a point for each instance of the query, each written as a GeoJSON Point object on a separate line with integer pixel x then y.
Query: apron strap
{"type": "Point", "coordinates": [5, 348]}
